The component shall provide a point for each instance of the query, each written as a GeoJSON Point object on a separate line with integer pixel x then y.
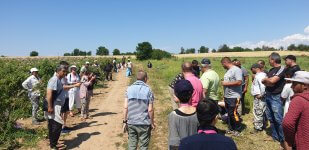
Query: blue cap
{"type": "Point", "coordinates": [183, 87]}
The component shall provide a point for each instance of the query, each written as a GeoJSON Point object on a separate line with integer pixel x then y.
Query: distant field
{"type": "Point", "coordinates": [243, 54]}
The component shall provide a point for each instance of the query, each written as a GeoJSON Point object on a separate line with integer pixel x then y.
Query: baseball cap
{"type": "Point", "coordinates": [292, 57]}
{"type": "Point", "coordinates": [256, 66]}
{"type": "Point", "coordinates": [183, 87]}
{"type": "Point", "coordinates": [205, 61]}
{"type": "Point", "coordinates": [300, 76]}
{"type": "Point", "coordinates": [87, 62]}
{"type": "Point", "coordinates": [33, 69]}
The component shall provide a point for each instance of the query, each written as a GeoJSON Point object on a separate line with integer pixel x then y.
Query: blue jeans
{"type": "Point", "coordinates": [129, 72]}
{"type": "Point", "coordinates": [274, 113]}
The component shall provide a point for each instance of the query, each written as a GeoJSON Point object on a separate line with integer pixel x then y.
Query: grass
{"type": "Point", "coordinates": [164, 71]}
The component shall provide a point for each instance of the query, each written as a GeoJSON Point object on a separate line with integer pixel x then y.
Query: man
{"type": "Point", "coordinates": [34, 94]}
{"type": "Point", "coordinates": [296, 121]}
{"type": "Point", "coordinates": [139, 112]}
{"type": "Point", "coordinates": [172, 91]}
{"type": "Point", "coordinates": [123, 63]}
{"type": "Point", "coordinates": [290, 62]}
{"type": "Point", "coordinates": [84, 68]}
{"type": "Point", "coordinates": [115, 65]}
{"type": "Point", "coordinates": [232, 93]}
{"type": "Point", "coordinates": [129, 68]}
{"type": "Point", "coordinates": [262, 64]}
{"type": "Point", "coordinates": [56, 98]}
{"type": "Point", "coordinates": [207, 137]}
{"type": "Point", "coordinates": [210, 80]}
{"type": "Point", "coordinates": [108, 71]}
{"type": "Point", "coordinates": [274, 84]}
{"type": "Point", "coordinates": [258, 92]}
{"type": "Point", "coordinates": [196, 83]}
{"type": "Point", "coordinates": [196, 68]}
{"type": "Point", "coordinates": [245, 81]}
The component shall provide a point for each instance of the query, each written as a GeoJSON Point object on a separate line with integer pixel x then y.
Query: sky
{"type": "Point", "coordinates": [55, 27]}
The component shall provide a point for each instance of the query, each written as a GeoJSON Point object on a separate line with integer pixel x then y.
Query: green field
{"type": "Point", "coordinates": [164, 71]}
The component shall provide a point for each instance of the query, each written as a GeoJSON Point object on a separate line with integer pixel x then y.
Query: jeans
{"type": "Point", "coordinates": [139, 133]}
{"type": "Point", "coordinates": [274, 113]}
{"type": "Point", "coordinates": [54, 130]}
{"type": "Point", "coordinates": [231, 105]}
{"type": "Point", "coordinates": [129, 72]}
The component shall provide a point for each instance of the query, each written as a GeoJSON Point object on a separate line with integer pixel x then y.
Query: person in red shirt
{"type": "Point", "coordinates": [296, 122]}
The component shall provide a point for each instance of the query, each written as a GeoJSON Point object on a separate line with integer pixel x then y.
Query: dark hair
{"type": "Point", "coordinates": [64, 63]}
{"type": "Point", "coordinates": [276, 57]}
{"type": "Point", "coordinates": [207, 110]}
{"type": "Point", "coordinates": [262, 62]}
{"type": "Point", "coordinates": [235, 60]}
{"type": "Point", "coordinates": [226, 59]}
{"type": "Point", "coordinates": [194, 62]}
{"type": "Point", "coordinates": [61, 67]}
{"type": "Point", "coordinates": [184, 97]}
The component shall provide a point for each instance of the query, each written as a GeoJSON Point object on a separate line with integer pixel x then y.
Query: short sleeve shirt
{"type": "Point", "coordinates": [55, 84]}
{"type": "Point", "coordinates": [139, 97]}
{"type": "Point", "coordinates": [210, 81]}
{"type": "Point", "coordinates": [232, 75]}
{"type": "Point", "coordinates": [277, 88]}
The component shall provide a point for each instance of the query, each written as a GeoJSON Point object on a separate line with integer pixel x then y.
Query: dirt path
{"type": "Point", "coordinates": [104, 130]}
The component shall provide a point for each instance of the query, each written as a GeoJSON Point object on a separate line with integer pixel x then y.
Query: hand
{"type": "Point", "coordinates": [245, 90]}
{"type": "Point", "coordinates": [93, 77]}
{"type": "Point", "coordinates": [153, 126]}
{"type": "Point", "coordinates": [223, 83]}
{"type": "Point", "coordinates": [264, 81]}
{"type": "Point", "coordinates": [258, 96]}
{"type": "Point", "coordinates": [50, 110]}
{"type": "Point", "coordinates": [124, 127]}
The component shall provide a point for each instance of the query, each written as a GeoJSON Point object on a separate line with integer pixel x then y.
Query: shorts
{"type": "Point", "coordinates": [65, 107]}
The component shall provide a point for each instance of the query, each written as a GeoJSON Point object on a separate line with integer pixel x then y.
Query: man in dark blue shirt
{"type": "Point", "coordinates": [207, 137]}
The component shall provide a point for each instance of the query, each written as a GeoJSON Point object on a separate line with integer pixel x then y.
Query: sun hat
{"type": "Point", "coordinates": [33, 70]}
{"type": "Point", "coordinates": [300, 76]}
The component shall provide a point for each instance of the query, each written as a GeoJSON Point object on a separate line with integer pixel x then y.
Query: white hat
{"type": "Point", "coordinates": [300, 76]}
{"type": "Point", "coordinates": [73, 66]}
{"type": "Point", "coordinates": [87, 62]}
{"type": "Point", "coordinates": [33, 69]}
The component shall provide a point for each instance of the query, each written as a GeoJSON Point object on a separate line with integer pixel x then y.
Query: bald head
{"type": "Point", "coordinates": [141, 75]}
{"type": "Point", "coordinates": [186, 67]}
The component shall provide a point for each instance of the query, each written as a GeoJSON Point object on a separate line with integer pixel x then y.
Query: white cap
{"type": "Point", "coordinates": [33, 69]}
{"type": "Point", "coordinates": [87, 62]}
{"type": "Point", "coordinates": [300, 76]}
{"type": "Point", "coordinates": [73, 66]}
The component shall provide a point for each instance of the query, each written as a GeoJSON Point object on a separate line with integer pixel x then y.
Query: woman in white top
{"type": "Point", "coordinates": [34, 94]}
{"type": "Point", "coordinates": [73, 78]}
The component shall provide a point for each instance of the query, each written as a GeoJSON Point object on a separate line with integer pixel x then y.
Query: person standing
{"type": "Point", "coordinates": [139, 113]}
{"type": "Point", "coordinates": [274, 84]}
{"type": "Point", "coordinates": [85, 94]}
{"type": "Point", "coordinates": [245, 82]}
{"type": "Point", "coordinates": [123, 62]}
{"type": "Point", "coordinates": [34, 95]}
{"type": "Point", "coordinates": [129, 68]}
{"type": "Point", "coordinates": [73, 78]}
{"type": "Point", "coordinates": [108, 71]}
{"type": "Point", "coordinates": [210, 80]}
{"type": "Point", "coordinates": [258, 92]}
{"type": "Point", "coordinates": [187, 72]}
{"type": "Point", "coordinates": [290, 62]}
{"type": "Point", "coordinates": [207, 137]}
{"type": "Point", "coordinates": [172, 91]}
{"type": "Point", "coordinates": [55, 96]}
{"type": "Point", "coordinates": [182, 122]}
{"type": "Point", "coordinates": [115, 65]}
{"type": "Point", "coordinates": [232, 84]}
{"type": "Point", "coordinates": [295, 123]}
{"type": "Point", "coordinates": [196, 68]}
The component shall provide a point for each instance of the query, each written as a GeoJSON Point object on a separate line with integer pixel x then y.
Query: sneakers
{"type": "Point", "coordinates": [66, 129]}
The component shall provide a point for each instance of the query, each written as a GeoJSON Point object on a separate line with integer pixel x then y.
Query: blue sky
{"type": "Point", "coordinates": [55, 27]}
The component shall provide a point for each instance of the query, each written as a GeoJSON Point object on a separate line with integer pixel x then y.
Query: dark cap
{"type": "Point", "coordinates": [183, 87]}
{"type": "Point", "coordinates": [256, 66]}
{"type": "Point", "coordinates": [292, 57]}
{"type": "Point", "coordinates": [205, 61]}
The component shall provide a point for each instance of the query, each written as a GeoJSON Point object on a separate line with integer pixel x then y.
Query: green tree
{"type": "Point", "coordinates": [203, 49]}
{"type": "Point", "coordinates": [67, 54]}
{"type": "Point", "coordinates": [116, 52]}
{"type": "Point", "coordinates": [159, 54]}
{"type": "Point", "coordinates": [257, 49]}
{"type": "Point", "coordinates": [213, 50]}
{"type": "Point", "coordinates": [34, 53]}
{"type": "Point", "coordinates": [143, 51]}
{"type": "Point", "coordinates": [182, 50]}
{"type": "Point", "coordinates": [292, 47]}
{"type": "Point", "coordinates": [102, 51]}
{"type": "Point", "coordinates": [89, 53]}
{"type": "Point", "coordinates": [224, 48]}
{"type": "Point", "coordinates": [190, 51]}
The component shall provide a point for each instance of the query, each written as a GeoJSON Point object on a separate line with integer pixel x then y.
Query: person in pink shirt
{"type": "Point", "coordinates": [187, 71]}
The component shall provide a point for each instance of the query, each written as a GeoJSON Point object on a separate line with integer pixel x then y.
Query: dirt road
{"type": "Point", "coordinates": [104, 130]}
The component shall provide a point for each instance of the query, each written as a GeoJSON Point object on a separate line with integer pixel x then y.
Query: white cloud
{"type": "Point", "coordinates": [285, 41]}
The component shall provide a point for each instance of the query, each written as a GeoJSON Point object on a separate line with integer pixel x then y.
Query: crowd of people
{"type": "Point", "coordinates": [197, 105]}
{"type": "Point", "coordinates": [66, 90]}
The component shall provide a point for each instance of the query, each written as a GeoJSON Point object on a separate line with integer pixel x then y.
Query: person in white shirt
{"type": "Point", "coordinates": [287, 91]}
{"type": "Point", "coordinates": [258, 92]}
{"type": "Point", "coordinates": [34, 94]}
{"type": "Point", "coordinates": [73, 78]}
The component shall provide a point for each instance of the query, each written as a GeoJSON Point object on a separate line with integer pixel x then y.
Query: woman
{"type": "Point", "coordinates": [73, 78]}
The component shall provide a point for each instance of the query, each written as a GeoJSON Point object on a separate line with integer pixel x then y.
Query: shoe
{"type": "Point", "coordinates": [65, 130]}
{"type": "Point", "coordinates": [35, 122]}
{"type": "Point", "coordinates": [229, 131]}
